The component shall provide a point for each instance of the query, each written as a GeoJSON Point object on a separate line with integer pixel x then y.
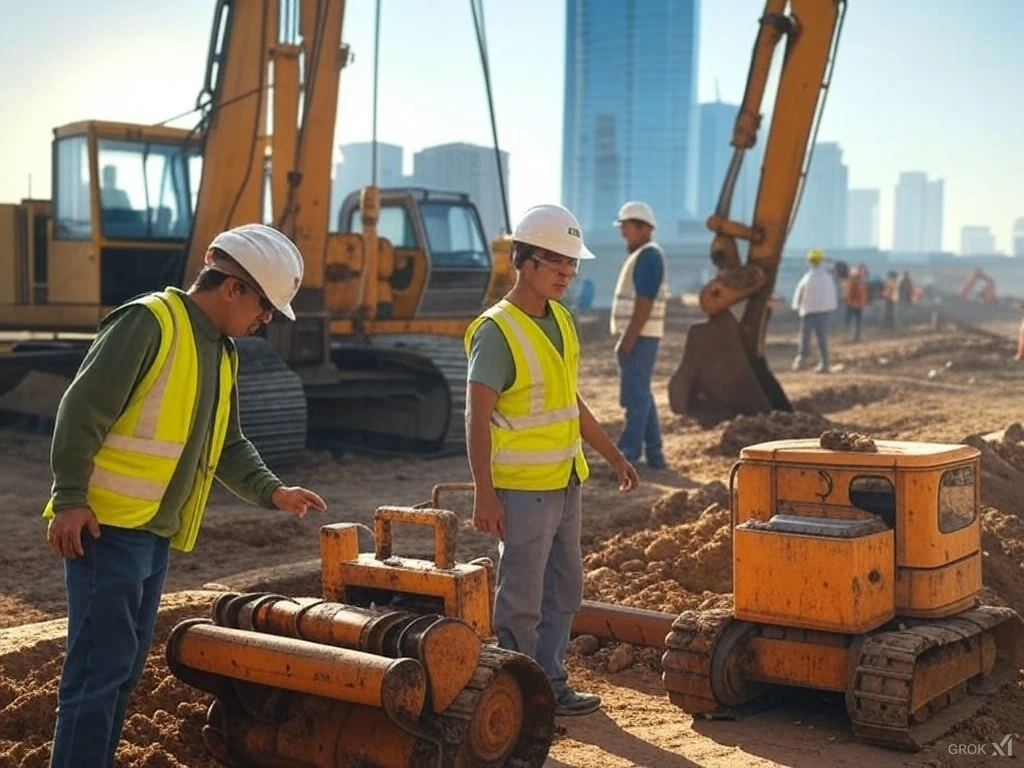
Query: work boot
{"type": "Point", "coordinates": [569, 702]}
{"type": "Point", "coordinates": [657, 462]}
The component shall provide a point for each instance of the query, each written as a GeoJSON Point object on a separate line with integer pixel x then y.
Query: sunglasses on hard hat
{"type": "Point", "coordinates": [561, 263]}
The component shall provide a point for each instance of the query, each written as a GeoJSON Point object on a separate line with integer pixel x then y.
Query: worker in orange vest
{"type": "Point", "coordinates": [889, 295]}
{"type": "Point", "coordinates": [855, 297]}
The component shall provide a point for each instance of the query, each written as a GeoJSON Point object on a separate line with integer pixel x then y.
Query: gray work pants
{"type": "Point", "coordinates": [540, 575]}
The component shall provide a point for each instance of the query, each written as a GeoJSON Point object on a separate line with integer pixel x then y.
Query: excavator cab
{"type": "Point", "coordinates": [117, 225]}
{"type": "Point", "coordinates": [442, 263]}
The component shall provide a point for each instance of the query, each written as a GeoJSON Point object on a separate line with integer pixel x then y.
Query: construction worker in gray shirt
{"type": "Point", "coordinates": [525, 427]}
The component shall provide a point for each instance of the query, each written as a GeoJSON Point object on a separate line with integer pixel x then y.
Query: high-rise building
{"type": "Point", "coordinates": [977, 241]}
{"type": "Point", "coordinates": [466, 168]}
{"type": "Point", "coordinates": [630, 122]}
{"type": "Point", "coordinates": [1018, 237]}
{"type": "Point", "coordinates": [821, 218]}
{"type": "Point", "coordinates": [933, 206]}
{"type": "Point", "coordinates": [918, 213]}
{"type": "Point", "coordinates": [717, 120]}
{"type": "Point", "coordinates": [356, 171]}
{"type": "Point", "coordinates": [862, 218]}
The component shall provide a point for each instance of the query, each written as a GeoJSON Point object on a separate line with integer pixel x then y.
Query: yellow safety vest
{"type": "Point", "coordinates": [535, 427]}
{"type": "Point", "coordinates": [134, 465]}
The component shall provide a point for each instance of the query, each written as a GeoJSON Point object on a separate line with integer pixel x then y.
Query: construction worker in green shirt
{"type": "Point", "coordinates": [148, 423]}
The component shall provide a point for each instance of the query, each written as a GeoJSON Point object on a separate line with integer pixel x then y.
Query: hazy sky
{"type": "Point", "coordinates": [929, 85]}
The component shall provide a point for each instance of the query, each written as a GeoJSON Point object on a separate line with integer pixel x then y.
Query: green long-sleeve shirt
{"type": "Point", "coordinates": [124, 348]}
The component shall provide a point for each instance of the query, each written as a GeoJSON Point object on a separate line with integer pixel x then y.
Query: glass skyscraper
{"type": "Point", "coordinates": [630, 130]}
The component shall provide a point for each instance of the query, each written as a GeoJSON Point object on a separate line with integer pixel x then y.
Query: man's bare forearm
{"type": "Point", "coordinates": [595, 436]}
{"type": "Point", "coordinates": [479, 407]}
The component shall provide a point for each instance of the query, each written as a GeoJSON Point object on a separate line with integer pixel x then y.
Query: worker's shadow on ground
{"type": "Point", "coordinates": [604, 733]}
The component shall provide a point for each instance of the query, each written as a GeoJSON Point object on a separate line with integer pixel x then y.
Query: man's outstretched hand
{"type": "Point", "coordinates": [627, 475]}
{"type": "Point", "coordinates": [297, 500]}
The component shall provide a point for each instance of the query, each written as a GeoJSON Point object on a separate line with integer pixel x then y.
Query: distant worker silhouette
{"type": "Point", "coordinates": [111, 195]}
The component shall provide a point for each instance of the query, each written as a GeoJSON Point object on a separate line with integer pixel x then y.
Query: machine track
{"type": "Point", "coordinates": [271, 403]}
{"type": "Point", "coordinates": [476, 720]}
{"type": "Point", "coordinates": [880, 701]}
{"type": "Point", "coordinates": [687, 661]}
{"type": "Point", "coordinates": [395, 394]}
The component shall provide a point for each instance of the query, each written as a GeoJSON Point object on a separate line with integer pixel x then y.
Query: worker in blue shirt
{"type": "Point", "coordinates": [638, 319]}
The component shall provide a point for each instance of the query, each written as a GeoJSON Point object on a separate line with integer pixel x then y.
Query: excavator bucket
{"type": "Point", "coordinates": [718, 379]}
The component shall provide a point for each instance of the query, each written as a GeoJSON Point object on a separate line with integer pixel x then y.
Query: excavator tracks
{"type": "Point", "coordinates": [271, 403]}
{"type": "Point", "coordinates": [395, 394]}
{"type": "Point", "coordinates": [687, 661]}
{"type": "Point", "coordinates": [882, 703]}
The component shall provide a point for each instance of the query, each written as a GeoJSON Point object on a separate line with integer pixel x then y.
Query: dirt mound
{"type": "Point", "coordinates": [671, 568]}
{"type": "Point", "coordinates": [1002, 472]}
{"type": "Point", "coordinates": [1002, 543]}
{"type": "Point", "coordinates": [685, 506]}
{"type": "Point", "coordinates": [163, 728]}
{"type": "Point", "coordinates": [832, 399]}
{"type": "Point", "coordinates": [775, 425]}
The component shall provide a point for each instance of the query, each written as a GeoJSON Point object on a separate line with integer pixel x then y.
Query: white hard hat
{"type": "Point", "coordinates": [634, 209]}
{"type": "Point", "coordinates": [269, 257]}
{"type": "Point", "coordinates": [552, 228]}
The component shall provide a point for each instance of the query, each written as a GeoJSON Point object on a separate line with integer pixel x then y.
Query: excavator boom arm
{"type": "Point", "coordinates": [723, 372]}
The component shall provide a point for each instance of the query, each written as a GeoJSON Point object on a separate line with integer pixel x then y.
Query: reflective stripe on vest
{"type": "Point", "coordinates": [138, 457]}
{"type": "Point", "coordinates": [625, 297]}
{"type": "Point", "coordinates": [535, 431]}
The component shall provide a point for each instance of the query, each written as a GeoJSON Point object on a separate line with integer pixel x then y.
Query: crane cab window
{"type": "Point", "coordinates": [395, 224]}
{"type": "Point", "coordinates": [454, 236]}
{"type": "Point", "coordinates": [876, 495]}
{"type": "Point", "coordinates": [145, 190]}
{"type": "Point", "coordinates": [71, 217]}
{"type": "Point", "coordinates": [957, 502]}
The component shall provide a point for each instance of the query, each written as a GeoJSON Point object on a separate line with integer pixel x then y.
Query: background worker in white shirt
{"type": "Point", "coordinates": [815, 299]}
{"type": "Point", "coordinates": [638, 319]}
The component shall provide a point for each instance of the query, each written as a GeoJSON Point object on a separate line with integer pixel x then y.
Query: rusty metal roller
{"type": "Point", "coordinates": [448, 648]}
{"type": "Point", "coordinates": [398, 686]}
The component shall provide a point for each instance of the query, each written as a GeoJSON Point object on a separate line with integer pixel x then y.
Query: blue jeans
{"type": "Point", "coordinates": [816, 323]}
{"type": "Point", "coordinates": [641, 428]}
{"type": "Point", "coordinates": [113, 595]}
{"type": "Point", "coordinates": [539, 584]}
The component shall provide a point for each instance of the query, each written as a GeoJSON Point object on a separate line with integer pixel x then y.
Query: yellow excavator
{"type": "Point", "coordinates": [375, 356]}
{"type": "Point", "coordinates": [723, 371]}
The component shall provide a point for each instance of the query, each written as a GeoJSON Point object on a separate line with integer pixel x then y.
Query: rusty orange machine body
{"type": "Point", "coordinates": [854, 571]}
{"type": "Point", "coordinates": [385, 669]}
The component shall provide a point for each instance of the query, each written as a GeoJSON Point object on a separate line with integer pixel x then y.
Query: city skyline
{"type": "Point", "coordinates": [887, 107]}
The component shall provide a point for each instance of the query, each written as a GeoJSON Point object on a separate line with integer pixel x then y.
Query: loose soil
{"type": "Point", "coordinates": [663, 547]}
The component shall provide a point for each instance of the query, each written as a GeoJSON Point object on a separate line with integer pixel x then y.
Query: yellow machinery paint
{"type": "Point", "coordinates": [392, 277]}
{"type": "Point", "coordinates": [854, 571]}
{"type": "Point", "coordinates": [385, 669]}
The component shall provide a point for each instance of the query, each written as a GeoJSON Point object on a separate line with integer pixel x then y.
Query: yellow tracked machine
{"type": "Point", "coordinates": [387, 669]}
{"type": "Point", "coordinates": [857, 569]}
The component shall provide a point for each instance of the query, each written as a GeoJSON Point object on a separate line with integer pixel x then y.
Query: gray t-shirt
{"type": "Point", "coordinates": [490, 357]}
